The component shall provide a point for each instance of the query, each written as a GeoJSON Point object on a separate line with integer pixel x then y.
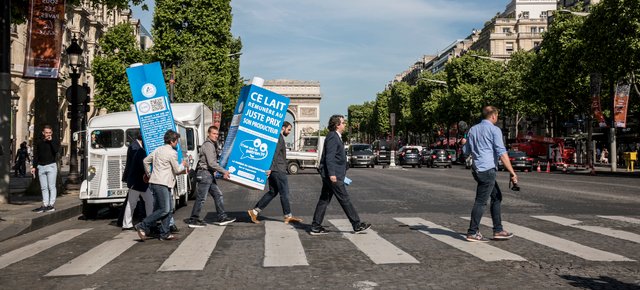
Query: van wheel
{"type": "Point", "coordinates": [419, 165]}
{"type": "Point", "coordinates": [293, 168]}
{"type": "Point", "coordinates": [89, 211]}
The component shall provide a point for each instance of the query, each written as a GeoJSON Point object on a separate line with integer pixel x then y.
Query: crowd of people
{"type": "Point", "coordinates": [151, 177]}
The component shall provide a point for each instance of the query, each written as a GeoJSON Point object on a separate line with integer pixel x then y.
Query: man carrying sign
{"type": "Point", "coordinates": [278, 182]}
{"type": "Point", "coordinates": [161, 180]}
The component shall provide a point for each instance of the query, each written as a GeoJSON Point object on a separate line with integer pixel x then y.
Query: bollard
{"type": "Point", "coordinates": [538, 166]}
{"type": "Point", "coordinates": [548, 166]}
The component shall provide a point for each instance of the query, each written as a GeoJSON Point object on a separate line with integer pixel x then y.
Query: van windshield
{"type": "Point", "coordinates": [107, 138]}
{"type": "Point", "coordinates": [131, 135]}
{"type": "Point", "coordinates": [190, 139]}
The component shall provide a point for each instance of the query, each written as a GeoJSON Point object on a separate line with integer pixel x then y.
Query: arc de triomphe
{"type": "Point", "coordinates": [304, 108]}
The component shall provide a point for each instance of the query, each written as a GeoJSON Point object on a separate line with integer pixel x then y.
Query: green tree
{"type": "Point", "coordinates": [381, 114]}
{"type": "Point", "coordinates": [196, 36]}
{"type": "Point", "coordinates": [119, 50]}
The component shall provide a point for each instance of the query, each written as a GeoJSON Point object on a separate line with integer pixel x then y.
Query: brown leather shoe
{"type": "Point", "coordinates": [254, 217]}
{"type": "Point", "coordinates": [292, 219]}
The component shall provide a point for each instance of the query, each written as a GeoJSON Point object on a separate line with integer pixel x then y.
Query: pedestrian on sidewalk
{"type": "Point", "coordinates": [22, 156]}
{"type": "Point", "coordinates": [165, 167]}
{"type": "Point", "coordinates": [485, 145]}
{"type": "Point", "coordinates": [207, 166]}
{"type": "Point", "coordinates": [278, 182]}
{"type": "Point", "coordinates": [44, 163]}
{"type": "Point", "coordinates": [604, 157]}
{"type": "Point", "coordinates": [333, 170]}
{"type": "Point", "coordinates": [134, 176]}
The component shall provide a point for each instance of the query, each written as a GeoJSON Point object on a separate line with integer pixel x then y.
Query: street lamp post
{"type": "Point", "coordinates": [74, 51]}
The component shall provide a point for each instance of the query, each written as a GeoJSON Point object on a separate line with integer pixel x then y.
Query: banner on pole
{"type": "Point", "coordinates": [251, 142]}
{"type": "Point", "coordinates": [620, 103]}
{"type": "Point", "coordinates": [44, 39]}
{"type": "Point", "coordinates": [151, 100]}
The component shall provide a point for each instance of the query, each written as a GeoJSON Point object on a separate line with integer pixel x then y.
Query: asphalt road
{"type": "Point", "coordinates": [570, 231]}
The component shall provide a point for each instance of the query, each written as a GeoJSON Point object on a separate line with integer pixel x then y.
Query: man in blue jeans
{"type": "Point", "coordinates": [165, 167]}
{"type": "Point", "coordinates": [485, 145]}
{"type": "Point", "coordinates": [44, 162]}
{"type": "Point", "coordinates": [278, 182]}
{"type": "Point", "coordinates": [207, 166]}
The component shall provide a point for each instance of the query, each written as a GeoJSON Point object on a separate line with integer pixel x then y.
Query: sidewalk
{"type": "Point", "coordinates": [605, 170]}
{"type": "Point", "coordinates": [17, 217]}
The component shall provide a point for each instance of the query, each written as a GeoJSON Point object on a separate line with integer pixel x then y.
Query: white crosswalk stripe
{"type": "Point", "coordinates": [595, 229]}
{"type": "Point", "coordinates": [94, 259]}
{"type": "Point", "coordinates": [559, 244]}
{"type": "Point", "coordinates": [282, 246]}
{"type": "Point", "coordinates": [379, 250]}
{"type": "Point", "coordinates": [483, 251]}
{"type": "Point", "coordinates": [193, 253]}
{"type": "Point", "coordinates": [39, 246]}
{"type": "Point", "coordinates": [621, 218]}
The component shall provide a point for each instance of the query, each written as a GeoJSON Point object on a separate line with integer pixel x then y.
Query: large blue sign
{"type": "Point", "coordinates": [152, 104]}
{"type": "Point", "coordinates": [250, 145]}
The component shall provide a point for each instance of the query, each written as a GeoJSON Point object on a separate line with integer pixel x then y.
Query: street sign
{"type": "Point", "coordinates": [392, 119]}
{"type": "Point", "coordinates": [82, 94]}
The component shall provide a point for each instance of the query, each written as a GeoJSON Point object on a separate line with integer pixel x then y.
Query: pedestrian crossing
{"type": "Point", "coordinates": [284, 244]}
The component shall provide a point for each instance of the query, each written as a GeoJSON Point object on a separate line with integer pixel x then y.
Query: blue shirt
{"type": "Point", "coordinates": [485, 145]}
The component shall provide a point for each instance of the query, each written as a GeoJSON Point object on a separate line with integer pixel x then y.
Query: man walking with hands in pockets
{"type": "Point", "coordinates": [485, 145]}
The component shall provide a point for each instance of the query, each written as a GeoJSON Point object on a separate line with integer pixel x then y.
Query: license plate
{"type": "Point", "coordinates": [117, 192]}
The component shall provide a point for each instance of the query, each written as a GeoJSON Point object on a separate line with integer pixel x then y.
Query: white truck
{"type": "Point", "coordinates": [196, 118]}
{"type": "Point", "coordinates": [310, 158]}
{"type": "Point", "coordinates": [108, 137]}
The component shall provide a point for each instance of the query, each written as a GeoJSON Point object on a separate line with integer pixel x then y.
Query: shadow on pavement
{"type": "Point", "coordinates": [602, 282]}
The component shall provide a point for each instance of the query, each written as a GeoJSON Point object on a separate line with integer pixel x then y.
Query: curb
{"type": "Point", "coordinates": [22, 224]}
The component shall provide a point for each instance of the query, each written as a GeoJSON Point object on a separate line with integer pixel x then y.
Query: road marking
{"type": "Point", "coordinates": [94, 259]}
{"type": "Point", "coordinates": [39, 246]}
{"type": "Point", "coordinates": [594, 229]}
{"type": "Point", "coordinates": [282, 246]}
{"type": "Point", "coordinates": [194, 252]}
{"type": "Point", "coordinates": [559, 244]}
{"type": "Point", "coordinates": [379, 250]}
{"type": "Point", "coordinates": [621, 218]}
{"type": "Point", "coordinates": [483, 251]}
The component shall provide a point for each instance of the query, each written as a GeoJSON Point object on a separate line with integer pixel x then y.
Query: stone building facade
{"type": "Point", "coordinates": [304, 108]}
{"type": "Point", "coordinates": [87, 23]}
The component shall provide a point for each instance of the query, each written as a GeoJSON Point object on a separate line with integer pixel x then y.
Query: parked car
{"type": "Point", "coordinates": [381, 152]}
{"type": "Point", "coordinates": [410, 156]}
{"type": "Point", "coordinates": [360, 155]}
{"type": "Point", "coordinates": [519, 161]}
{"type": "Point", "coordinates": [439, 157]}
{"type": "Point", "coordinates": [453, 153]}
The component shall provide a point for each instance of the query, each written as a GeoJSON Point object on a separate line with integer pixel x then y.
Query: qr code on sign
{"type": "Point", "coordinates": [157, 104]}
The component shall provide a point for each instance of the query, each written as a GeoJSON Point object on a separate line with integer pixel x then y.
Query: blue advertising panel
{"type": "Point", "coordinates": [253, 135]}
{"type": "Point", "coordinates": [152, 105]}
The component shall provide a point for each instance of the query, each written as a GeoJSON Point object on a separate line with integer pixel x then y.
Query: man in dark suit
{"type": "Point", "coordinates": [333, 170]}
{"type": "Point", "coordinates": [134, 176]}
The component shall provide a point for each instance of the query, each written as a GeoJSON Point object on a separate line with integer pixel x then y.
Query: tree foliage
{"type": "Point", "coordinates": [195, 36]}
{"type": "Point", "coordinates": [119, 50]}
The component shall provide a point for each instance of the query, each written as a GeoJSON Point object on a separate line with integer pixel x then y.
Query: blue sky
{"type": "Point", "coordinates": [352, 47]}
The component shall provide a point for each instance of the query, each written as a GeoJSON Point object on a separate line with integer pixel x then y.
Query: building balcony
{"type": "Point", "coordinates": [529, 35]}
{"type": "Point", "coordinates": [504, 36]}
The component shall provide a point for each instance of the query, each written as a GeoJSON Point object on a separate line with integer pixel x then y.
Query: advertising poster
{"type": "Point", "coordinates": [253, 136]}
{"type": "Point", "coordinates": [620, 102]}
{"type": "Point", "coordinates": [151, 101]}
{"type": "Point", "coordinates": [44, 43]}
